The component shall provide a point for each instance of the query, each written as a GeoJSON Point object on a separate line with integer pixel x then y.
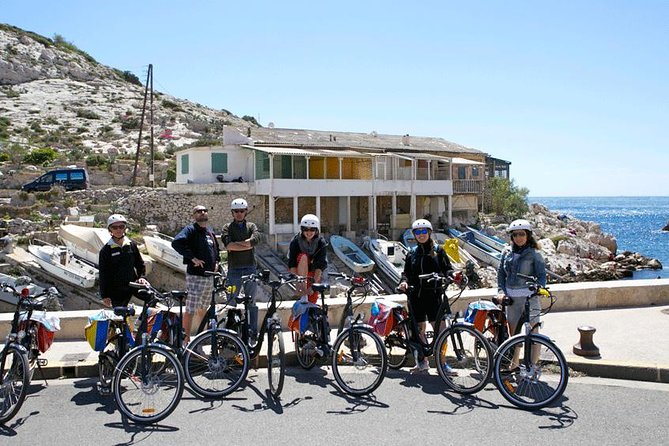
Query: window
{"type": "Point", "coordinates": [219, 163]}
{"type": "Point", "coordinates": [462, 172]}
{"type": "Point", "coordinates": [46, 179]}
{"type": "Point", "coordinates": [262, 165]}
{"type": "Point", "coordinates": [475, 172]}
{"type": "Point", "coordinates": [61, 176]}
{"type": "Point", "coordinates": [184, 164]}
{"type": "Point", "coordinates": [76, 175]}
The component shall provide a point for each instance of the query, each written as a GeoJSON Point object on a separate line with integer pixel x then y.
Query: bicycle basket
{"type": "Point", "coordinates": [99, 329]}
{"type": "Point", "coordinates": [477, 313]}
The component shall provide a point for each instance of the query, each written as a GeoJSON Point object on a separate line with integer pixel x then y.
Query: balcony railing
{"type": "Point", "coordinates": [467, 186]}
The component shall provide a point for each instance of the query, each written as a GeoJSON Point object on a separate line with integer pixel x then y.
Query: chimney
{"type": "Point", "coordinates": [405, 140]}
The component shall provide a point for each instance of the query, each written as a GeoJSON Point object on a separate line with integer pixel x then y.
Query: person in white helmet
{"type": "Point", "coordinates": [424, 298]}
{"type": "Point", "coordinates": [240, 238]}
{"type": "Point", "coordinates": [307, 255]}
{"type": "Point", "coordinates": [523, 257]}
{"type": "Point", "coordinates": [119, 263]}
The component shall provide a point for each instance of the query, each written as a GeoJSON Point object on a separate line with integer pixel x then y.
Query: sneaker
{"type": "Point", "coordinates": [448, 371]}
{"type": "Point", "coordinates": [422, 366]}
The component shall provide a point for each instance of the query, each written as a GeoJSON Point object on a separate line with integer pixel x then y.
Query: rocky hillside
{"type": "Point", "coordinates": [54, 95]}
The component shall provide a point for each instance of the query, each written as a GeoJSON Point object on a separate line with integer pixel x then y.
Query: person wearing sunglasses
{"type": "Point", "coordinates": [119, 263]}
{"type": "Point", "coordinates": [306, 256]}
{"type": "Point", "coordinates": [424, 298]}
{"type": "Point", "coordinates": [523, 257]}
{"type": "Point", "coordinates": [199, 248]}
{"type": "Point", "coordinates": [240, 238]}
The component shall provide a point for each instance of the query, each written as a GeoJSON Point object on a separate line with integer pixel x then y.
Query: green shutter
{"type": "Point", "coordinates": [262, 165]}
{"type": "Point", "coordinates": [184, 164]}
{"type": "Point", "coordinates": [219, 163]}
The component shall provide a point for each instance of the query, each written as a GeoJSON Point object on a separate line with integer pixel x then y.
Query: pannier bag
{"type": "Point", "coordinates": [47, 326]}
{"type": "Point", "coordinates": [301, 317]}
{"type": "Point", "coordinates": [383, 318]}
{"type": "Point", "coordinates": [99, 329]}
{"type": "Point", "coordinates": [477, 313]}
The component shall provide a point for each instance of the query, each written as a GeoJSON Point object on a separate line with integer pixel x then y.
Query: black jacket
{"type": "Point", "coordinates": [194, 241]}
{"type": "Point", "coordinates": [119, 265]}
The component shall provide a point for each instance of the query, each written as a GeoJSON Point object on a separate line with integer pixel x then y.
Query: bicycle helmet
{"type": "Point", "coordinates": [421, 223]}
{"type": "Point", "coordinates": [518, 225]}
{"type": "Point", "coordinates": [116, 218]}
{"type": "Point", "coordinates": [238, 203]}
{"type": "Point", "coordinates": [310, 221]}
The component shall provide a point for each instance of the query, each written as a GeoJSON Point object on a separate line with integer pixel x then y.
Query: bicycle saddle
{"type": "Point", "coordinates": [124, 311]}
{"type": "Point", "coordinates": [319, 287]}
{"type": "Point", "coordinates": [179, 295]}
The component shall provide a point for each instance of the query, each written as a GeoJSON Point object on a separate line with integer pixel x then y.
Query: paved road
{"type": "Point", "coordinates": [405, 410]}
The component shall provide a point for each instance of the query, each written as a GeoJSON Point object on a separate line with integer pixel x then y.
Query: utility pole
{"type": "Point", "coordinates": [149, 82]}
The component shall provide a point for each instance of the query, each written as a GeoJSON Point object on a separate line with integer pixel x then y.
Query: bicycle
{"type": "Point", "coordinates": [36, 330]}
{"type": "Point", "coordinates": [216, 360]}
{"type": "Point", "coordinates": [238, 321]}
{"type": "Point", "coordinates": [530, 370]}
{"type": "Point", "coordinates": [148, 380]}
{"type": "Point", "coordinates": [358, 356]}
{"type": "Point", "coordinates": [458, 366]}
{"type": "Point", "coordinates": [14, 368]}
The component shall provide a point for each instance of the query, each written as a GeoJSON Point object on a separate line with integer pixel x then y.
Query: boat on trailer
{"type": "Point", "coordinates": [84, 242]}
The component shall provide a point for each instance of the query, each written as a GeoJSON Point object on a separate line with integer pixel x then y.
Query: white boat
{"type": "Point", "coordinates": [350, 254]}
{"type": "Point", "coordinates": [84, 242]}
{"type": "Point", "coordinates": [59, 262]}
{"type": "Point", "coordinates": [18, 283]}
{"type": "Point", "coordinates": [389, 256]}
{"type": "Point", "coordinates": [159, 247]}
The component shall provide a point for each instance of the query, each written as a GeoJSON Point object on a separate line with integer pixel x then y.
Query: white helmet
{"type": "Point", "coordinates": [421, 223]}
{"type": "Point", "coordinates": [116, 218]}
{"type": "Point", "coordinates": [239, 203]}
{"type": "Point", "coordinates": [520, 224]}
{"type": "Point", "coordinates": [310, 221]}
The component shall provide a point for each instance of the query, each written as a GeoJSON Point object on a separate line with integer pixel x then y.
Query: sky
{"type": "Point", "coordinates": [573, 93]}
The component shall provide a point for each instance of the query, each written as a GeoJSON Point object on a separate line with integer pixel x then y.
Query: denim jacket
{"type": "Point", "coordinates": [528, 261]}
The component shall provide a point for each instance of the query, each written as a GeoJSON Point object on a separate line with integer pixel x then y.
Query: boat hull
{"type": "Point", "coordinates": [351, 255]}
{"type": "Point", "coordinates": [389, 256]}
{"type": "Point", "coordinates": [71, 270]}
{"type": "Point", "coordinates": [160, 249]}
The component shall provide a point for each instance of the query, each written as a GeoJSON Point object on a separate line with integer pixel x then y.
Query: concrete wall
{"type": "Point", "coordinates": [570, 297]}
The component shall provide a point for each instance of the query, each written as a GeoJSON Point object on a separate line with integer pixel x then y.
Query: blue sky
{"type": "Point", "coordinates": [573, 93]}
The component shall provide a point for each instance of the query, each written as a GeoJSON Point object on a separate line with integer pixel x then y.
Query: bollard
{"type": "Point", "coordinates": [585, 346]}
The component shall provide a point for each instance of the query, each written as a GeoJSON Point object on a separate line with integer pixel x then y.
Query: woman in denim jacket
{"type": "Point", "coordinates": [522, 257]}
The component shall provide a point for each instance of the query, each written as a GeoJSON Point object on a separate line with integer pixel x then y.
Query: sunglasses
{"type": "Point", "coordinates": [519, 234]}
{"type": "Point", "coordinates": [421, 231]}
{"type": "Point", "coordinates": [201, 211]}
{"type": "Point", "coordinates": [239, 211]}
{"type": "Point", "coordinates": [117, 226]}
{"type": "Point", "coordinates": [308, 229]}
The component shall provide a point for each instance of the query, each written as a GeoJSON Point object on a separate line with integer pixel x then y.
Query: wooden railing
{"type": "Point", "coordinates": [467, 186]}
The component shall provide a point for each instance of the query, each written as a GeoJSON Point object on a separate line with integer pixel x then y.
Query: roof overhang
{"type": "Point", "coordinates": [466, 161]}
{"type": "Point", "coordinates": [294, 151]}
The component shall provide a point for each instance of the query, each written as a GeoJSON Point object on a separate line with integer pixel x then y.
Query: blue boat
{"type": "Point", "coordinates": [354, 257]}
{"type": "Point", "coordinates": [479, 250]}
{"type": "Point", "coordinates": [495, 243]}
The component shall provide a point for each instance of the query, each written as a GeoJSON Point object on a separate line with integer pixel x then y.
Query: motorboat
{"type": "Point", "coordinates": [159, 247]}
{"type": "Point", "coordinates": [389, 256]}
{"type": "Point", "coordinates": [59, 262]}
{"type": "Point", "coordinates": [351, 254]}
{"type": "Point", "coordinates": [477, 249]}
{"type": "Point", "coordinates": [18, 283]}
{"type": "Point", "coordinates": [84, 242]}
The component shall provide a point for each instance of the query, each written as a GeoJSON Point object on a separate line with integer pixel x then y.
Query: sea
{"type": "Point", "coordinates": [635, 222]}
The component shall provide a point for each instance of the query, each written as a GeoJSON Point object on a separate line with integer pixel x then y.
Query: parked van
{"type": "Point", "coordinates": [70, 179]}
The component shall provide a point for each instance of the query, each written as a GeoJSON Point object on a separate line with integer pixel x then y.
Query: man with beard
{"type": "Point", "coordinates": [199, 248]}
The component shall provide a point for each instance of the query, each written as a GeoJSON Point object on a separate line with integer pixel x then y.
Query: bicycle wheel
{"type": "Point", "coordinates": [216, 372]}
{"type": "Point", "coordinates": [463, 358]}
{"type": "Point", "coordinates": [107, 361]}
{"type": "Point", "coordinates": [305, 350]}
{"type": "Point", "coordinates": [535, 382]}
{"type": "Point", "coordinates": [359, 360]}
{"type": "Point", "coordinates": [396, 345]}
{"type": "Point", "coordinates": [15, 381]}
{"type": "Point", "coordinates": [148, 384]}
{"type": "Point", "coordinates": [276, 360]}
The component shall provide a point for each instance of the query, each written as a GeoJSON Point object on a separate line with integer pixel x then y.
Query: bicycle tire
{"type": "Point", "coordinates": [137, 395]}
{"type": "Point", "coordinates": [276, 360]}
{"type": "Point", "coordinates": [463, 359]}
{"type": "Point", "coordinates": [306, 357]}
{"type": "Point", "coordinates": [215, 376]}
{"type": "Point", "coordinates": [359, 361]}
{"type": "Point", "coordinates": [397, 349]}
{"type": "Point", "coordinates": [15, 382]}
{"type": "Point", "coordinates": [107, 361]}
{"type": "Point", "coordinates": [539, 384]}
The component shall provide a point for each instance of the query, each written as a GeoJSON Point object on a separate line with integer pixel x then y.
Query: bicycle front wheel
{"type": "Point", "coordinates": [216, 363]}
{"type": "Point", "coordinates": [148, 384]}
{"type": "Point", "coordinates": [359, 360]}
{"type": "Point", "coordinates": [530, 378]}
{"type": "Point", "coordinates": [276, 360]}
{"type": "Point", "coordinates": [463, 358]}
{"type": "Point", "coordinates": [15, 381]}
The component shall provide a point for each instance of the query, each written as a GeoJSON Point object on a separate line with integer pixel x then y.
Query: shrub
{"type": "Point", "coordinates": [251, 119]}
{"type": "Point", "coordinates": [40, 157]}
{"type": "Point", "coordinates": [87, 114]}
{"type": "Point", "coordinates": [4, 156]}
{"type": "Point", "coordinates": [172, 105]}
{"type": "Point", "coordinates": [96, 159]}
{"type": "Point", "coordinates": [506, 198]}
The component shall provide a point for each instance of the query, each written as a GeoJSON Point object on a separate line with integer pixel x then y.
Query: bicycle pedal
{"type": "Point", "coordinates": [42, 362]}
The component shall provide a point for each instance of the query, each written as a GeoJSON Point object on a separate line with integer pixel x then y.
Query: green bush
{"type": "Point", "coordinates": [4, 156]}
{"type": "Point", "coordinates": [172, 105]}
{"type": "Point", "coordinates": [506, 198]}
{"type": "Point", "coordinates": [40, 157]}
{"type": "Point", "coordinates": [96, 159]}
{"type": "Point", "coordinates": [87, 114]}
{"type": "Point", "coordinates": [251, 119]}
